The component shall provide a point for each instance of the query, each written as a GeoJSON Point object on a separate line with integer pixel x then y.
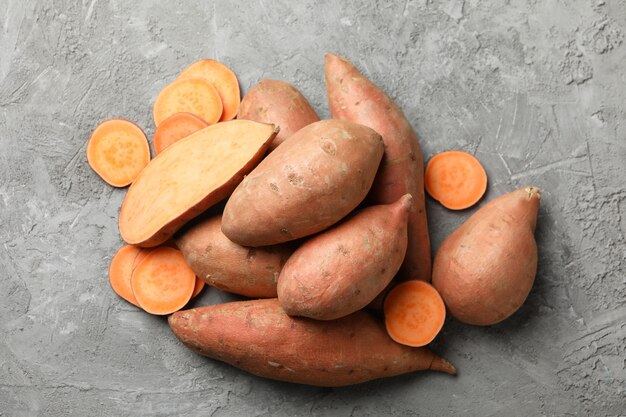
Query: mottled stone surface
{"type": "Point", "coordinates": [535, 89]}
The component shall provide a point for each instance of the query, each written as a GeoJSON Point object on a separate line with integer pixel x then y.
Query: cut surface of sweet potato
{"type": "Point", "coordinates": [190, 176]}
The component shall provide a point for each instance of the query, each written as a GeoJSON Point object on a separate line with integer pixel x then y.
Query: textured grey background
{"type": "Point", "coordinates": [536, 89]}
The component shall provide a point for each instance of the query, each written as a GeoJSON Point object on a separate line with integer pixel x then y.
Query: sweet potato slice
{"type": "Point", "coordinates": [163, 282]}
{"type": "Point", "coordinates": [117, 151]}
{"type": "Point", "coordinates": [414, 313]}
{"type": "Point", "coordinates": [189, 177]}
{"type": "Point", "coordinates": [121, 269]}
{"type": "Point", "coordinates": [198, 287]}
{"type": "Point", "coordinates": [192, 95]}
{"type": "Point", "coordinates": [176, 127]}
{"type": "Point", "coordinates": [224, 81]}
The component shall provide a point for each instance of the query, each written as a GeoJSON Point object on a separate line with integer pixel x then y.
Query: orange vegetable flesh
{"type": "Point", "coordinates": [414, 313]}
{"type": "Point", "coordinates": [197, 289]}
{"type": "Point", "coordinates": [191, 95]}
{"type": "Point", "coordinates": [176, 127]}
{"type": "Point", "coordinates": [143, 252]}
{"type": "Point", "coordinates": [163, 282]}
{"type": "Point", "coordinates": [121, 269]}
{"type": "Point", "coordinates": [456, 179]}
{"type": "Point", "coordinates": [118, 150]}
{"type": "Point", "coordinates": [224, 81]}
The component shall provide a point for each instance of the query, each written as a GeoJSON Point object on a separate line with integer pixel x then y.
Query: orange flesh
{"type": "Point", "coordinates": [198, 287]}
{"type": "Point", "coordinates": [414, 313]}
{"type": "Point", "coordinates": [118, 150]}
{"type": "Point", "coordinates": [163, 282]}
{"type": "Point", "coordinates": [185, 173]}
{"type": "Point", "coordinates": [175, 128]}
{"type": "Point", "coordinates": [121, 269]}
{"type": "Point", "coordinates": [191, 95]}
{"type": "Point", "coordinates": [224, 81]}
{"type": "Point", "coordinates": [143, 252]}
{"type": "Point", "coordinates": [456, 179]}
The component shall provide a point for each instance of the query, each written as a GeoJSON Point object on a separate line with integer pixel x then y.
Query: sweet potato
{"type": "Point", "coordinates": [354, 97]}
{"type": "Point", "coordinates": [258, 337]}
{"type": "Point", "coordinates": [279, 103]}
{"type": "Point", "coordinates": [223, 264]}
{"type": "Point", "coordinates": [485, 269]}
{"type": "Point", "coordinates": [189, 177]}
{"type": "Point", "coordinates": [341, 270]}
{"type": "Point", "coordinates": [307, 184]}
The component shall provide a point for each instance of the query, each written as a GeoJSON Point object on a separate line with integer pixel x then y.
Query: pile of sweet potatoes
{"type": "Point", "coordinates": [323, 229]}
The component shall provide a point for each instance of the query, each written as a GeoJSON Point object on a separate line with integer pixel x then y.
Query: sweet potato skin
{"type": "Point", "coordinates": [307, 184]}
{"type": "Point", "coordinates": [485, 269]}
{"type": "Point", "coordinates": [341, 270]}
{"type": "Point", "coordinates": [353, 97]}
{"type": "Point", "coordinates": [258, 337]}
{"type": "Point", "coordinates": [279, 103]}
{"type": "Point", "coordinates": [223, 264]}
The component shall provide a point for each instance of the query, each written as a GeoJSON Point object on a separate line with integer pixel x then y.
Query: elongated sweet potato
{"type": "Point", "coordinates": [305, 185]}
{"type": "Point", "coordinates": [258, 337]}
{"type": "Point", "coordinates": [279, 103]}
{"type": "Point", "coordinates": [485, 269]}
{"type": "Point", "coordinates": [223, 264]}
{"type": "Point", "coordinates": [341, 270]}
{"type": "Point", "coordinates": [354, 97]}
{"type": "Point", "coordinates": [189, 177]}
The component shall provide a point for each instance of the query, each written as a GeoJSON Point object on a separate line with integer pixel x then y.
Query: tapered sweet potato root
{"type": "Point", "coordinates": [307, 184]}
{"type": "Point", "coordinates": [189, 177]}
{"type": "Point", "coordinates": [118, 150]}
{"type": "Point", "coordinates": [354, 97]}
{"type": "Point", "coordinates": [485, 269]}
{"type": "Point", "coordinates": [279, 103]}
{"type": "Point", "coordinates": [224, 81]}
{"type": "Point", "coordinates": [259, 337]}
{"type": "Point", "coordinates": [223, 264]}
{"type": "Point", "coordinates": [341, 270]}
{"type": "Point", "coordinates": [189, 95]}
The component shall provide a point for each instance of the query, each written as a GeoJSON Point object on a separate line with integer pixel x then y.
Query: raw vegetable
{"type": "Point", "coordinates": [485, 269]}
{"type": "Point", "coordinates": [341, 270]}
{"type": "Point", "coordinates": [163, 282]}
{"type": "Point", "coordinates": [176, 127]}
{"type": "Point", "coordinates": [354, 97]}
{"type": "Point", "coordinates": [280, 103]}
{"type": "Point", "coordinates": [456, 179]}
{"type": "Point", "coordinates": [414, 313]}
{"type": "Point", "coordinates": [121, 269]}
{"type": "Point", "coordinates": [307, 184]}
{"type": "Point", "coordinates": [191, 95]}
{"type": "Point", "coordinates": [194, 173]}
{"type": "Point", "coordinates": [224, 81]}
{"type": "Point", "coordinates": [198, 287]}
{"type": "Point", "coordinates": [118, 150]}
{"type": "Point", "coordinates": [223, 264]}
{"type": "Point", "coordinates": [258, 337]}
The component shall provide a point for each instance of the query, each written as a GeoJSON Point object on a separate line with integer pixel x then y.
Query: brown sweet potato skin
{"type": "Point", "coordinates": [342, 269]}
{"type": "Point", "coordinates": [279, 103]}
{"type": "Point", "coordinates": [485, 269]}
{"type": "Point", "coordinates": [307, 184]}
{"type": "Point", "coordinates": [258, 337]}
{"type": "Point", "coordinates": [223, 264]}
{"type": "Point", "coordinates": [354, 97]}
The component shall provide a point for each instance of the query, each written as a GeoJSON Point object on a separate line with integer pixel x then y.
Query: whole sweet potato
{"type": "Point", "coordinates": [223, 264]}
{"type": "Point", "coordinates": [257, 336]}
{"type": "Point", "coordinates": [485, 269]}
{"type": "Point", "coordinates": [354, 97]}
{"type": "Point", "coordinates": [307, 184]}
{"type": "Point", "coordinates": [280, 103]}
{"type": "Point", "coordinates": [341, 270]}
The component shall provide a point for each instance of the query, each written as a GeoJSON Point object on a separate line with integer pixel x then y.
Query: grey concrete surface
{"type": "Point", "coordinates": [535, 89]}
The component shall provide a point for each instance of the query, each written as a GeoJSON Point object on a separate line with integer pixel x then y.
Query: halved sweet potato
{"type": "Point", "coordinates": [189, 177]}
